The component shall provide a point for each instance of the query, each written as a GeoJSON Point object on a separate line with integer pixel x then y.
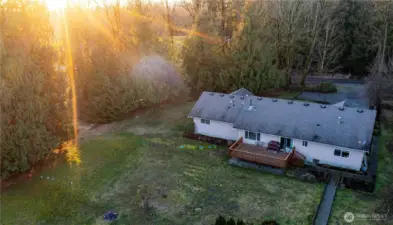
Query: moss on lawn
{"type": "Point", "coordinates": [181, 185]}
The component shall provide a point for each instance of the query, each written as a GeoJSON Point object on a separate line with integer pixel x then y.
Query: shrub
{"type": "Point", "coordinates": [377, 129]}
{"type": "Point", "coordinates": [240, 222]}
{"type": "Point", "coordinates": [327, 87]}
{"type": "Point", "coordinates": [220, 221]}
{"type": "Point", "coordinates": [324, 87]}
{"type": "Point", "coordinates": [185, 126]}
{"type": "Point", "coordinates": [269, 222]}
{"type": "Point", "coordinates": [231, 221]}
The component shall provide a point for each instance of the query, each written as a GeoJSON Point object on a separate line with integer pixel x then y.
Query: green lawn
{"type": "Point", "coordinates": [356, 202]}
{"type": "Point", "coordinates": [289, 95]}
{"type": "Point", "coordinates": [181, 185]}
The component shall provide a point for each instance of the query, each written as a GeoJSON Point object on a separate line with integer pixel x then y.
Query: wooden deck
{"type": "Point", "coordinates": [259, 154]}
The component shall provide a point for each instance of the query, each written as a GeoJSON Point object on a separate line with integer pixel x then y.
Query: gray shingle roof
{"type": "Point", "coordinates": [312, 122]}
{"type": "Point", "coordinates": [217, 106]}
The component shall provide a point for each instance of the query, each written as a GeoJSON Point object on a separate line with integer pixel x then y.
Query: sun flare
{"type": "Point", "coordinates": [56, 4]}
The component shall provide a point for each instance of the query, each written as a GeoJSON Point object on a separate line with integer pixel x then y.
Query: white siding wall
{"type": "Point", "coordinates": [264, 138]}
{"type": "Point", "coordinates": [325, 154]}
{"type": "Point", "coordinates": [216, 129]}
{"type": "Point", "coordinates": [314, 150]}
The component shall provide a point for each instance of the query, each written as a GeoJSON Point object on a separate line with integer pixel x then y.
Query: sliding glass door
{"type": "Point", "coordinates": [285, 143]}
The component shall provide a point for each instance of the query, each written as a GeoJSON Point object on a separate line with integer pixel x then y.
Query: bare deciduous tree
{"type": "Point", "coordinates": [168, 16]}
{"type": "Point", "coordinates": [316, 20]}
{"type": "Point", "coordinates": [329, 47]}
{"type": "Point", "coordinates": [286, 21]}
{"type": "Point", "coordinates": [193, 7]}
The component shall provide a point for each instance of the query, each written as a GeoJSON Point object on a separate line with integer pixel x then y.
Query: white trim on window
{"type": "Point", "coordinates": [204, 121]}
{"type": "Point", "coordinates": [342, 153]}
{"type": "Point", "coordinates": [345, 154]}
{"type": "Point", "coordinates": [252, 136]}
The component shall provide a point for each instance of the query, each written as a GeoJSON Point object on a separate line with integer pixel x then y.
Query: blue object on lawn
{"type": "Point", "coordinates": [201, 147]}
{"type": "Point", "coordinates": [181, 146]}
{"type": "Point", "coordinates": [110, 216]}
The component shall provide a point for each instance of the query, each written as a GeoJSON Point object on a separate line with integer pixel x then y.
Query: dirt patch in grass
{"type": "Point", "coordinates": [156, 120]}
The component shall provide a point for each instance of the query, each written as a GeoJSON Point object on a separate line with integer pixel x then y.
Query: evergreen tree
{"type": "Point", "coordinates": [255, 66]}
{"type": "Point", "coordinates": [231, 221]}
{"type": "Point", "coordinates": [240, 222]}
{"type": "Point", "coordinates": [35, 110]}
{"type": "Point", "coordinates": [220, 221]}
{"type": "Point", "coordinates": [354, 32]}
{"type": "Point", "coordinates": [269, 222]}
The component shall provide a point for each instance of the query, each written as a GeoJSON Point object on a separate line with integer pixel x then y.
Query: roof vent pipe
{"type": "Point", "coordinates": [250, 101]}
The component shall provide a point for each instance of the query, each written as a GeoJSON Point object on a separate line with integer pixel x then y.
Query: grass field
{"type": "Point", "coordinates": [141, 161]}
{"type": "Point", "coordinates": [363, 203]}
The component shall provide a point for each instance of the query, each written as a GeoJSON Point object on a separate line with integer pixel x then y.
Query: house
{"type": "Point", "coordinates": [324, 134]}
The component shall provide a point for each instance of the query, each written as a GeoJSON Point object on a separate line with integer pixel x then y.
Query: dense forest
{"type": "Point", "coordinates": [119, 57]}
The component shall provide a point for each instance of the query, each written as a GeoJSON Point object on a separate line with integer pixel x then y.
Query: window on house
{"type": "Point", "coordinates": [205, 121]}
{"type": "Point", "coordinates": [345, 154]}
{"type": "Point", "coordinates": [338, 152]}
{"type": "Point", "coordinates": [305, 143]}
{"type": "Point", "coordinates": [251, 135]}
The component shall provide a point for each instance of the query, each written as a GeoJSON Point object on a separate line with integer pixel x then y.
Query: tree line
{"type": "Point", "coordinates": [128, 56]}
{"type": "Point", "coordinates": [265, 43]}
{"type": "Point", "coordinates": [35, 113]}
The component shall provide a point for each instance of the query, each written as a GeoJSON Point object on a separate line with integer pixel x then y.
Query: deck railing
{"type": "Point", "coordinates": [263, 157]}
